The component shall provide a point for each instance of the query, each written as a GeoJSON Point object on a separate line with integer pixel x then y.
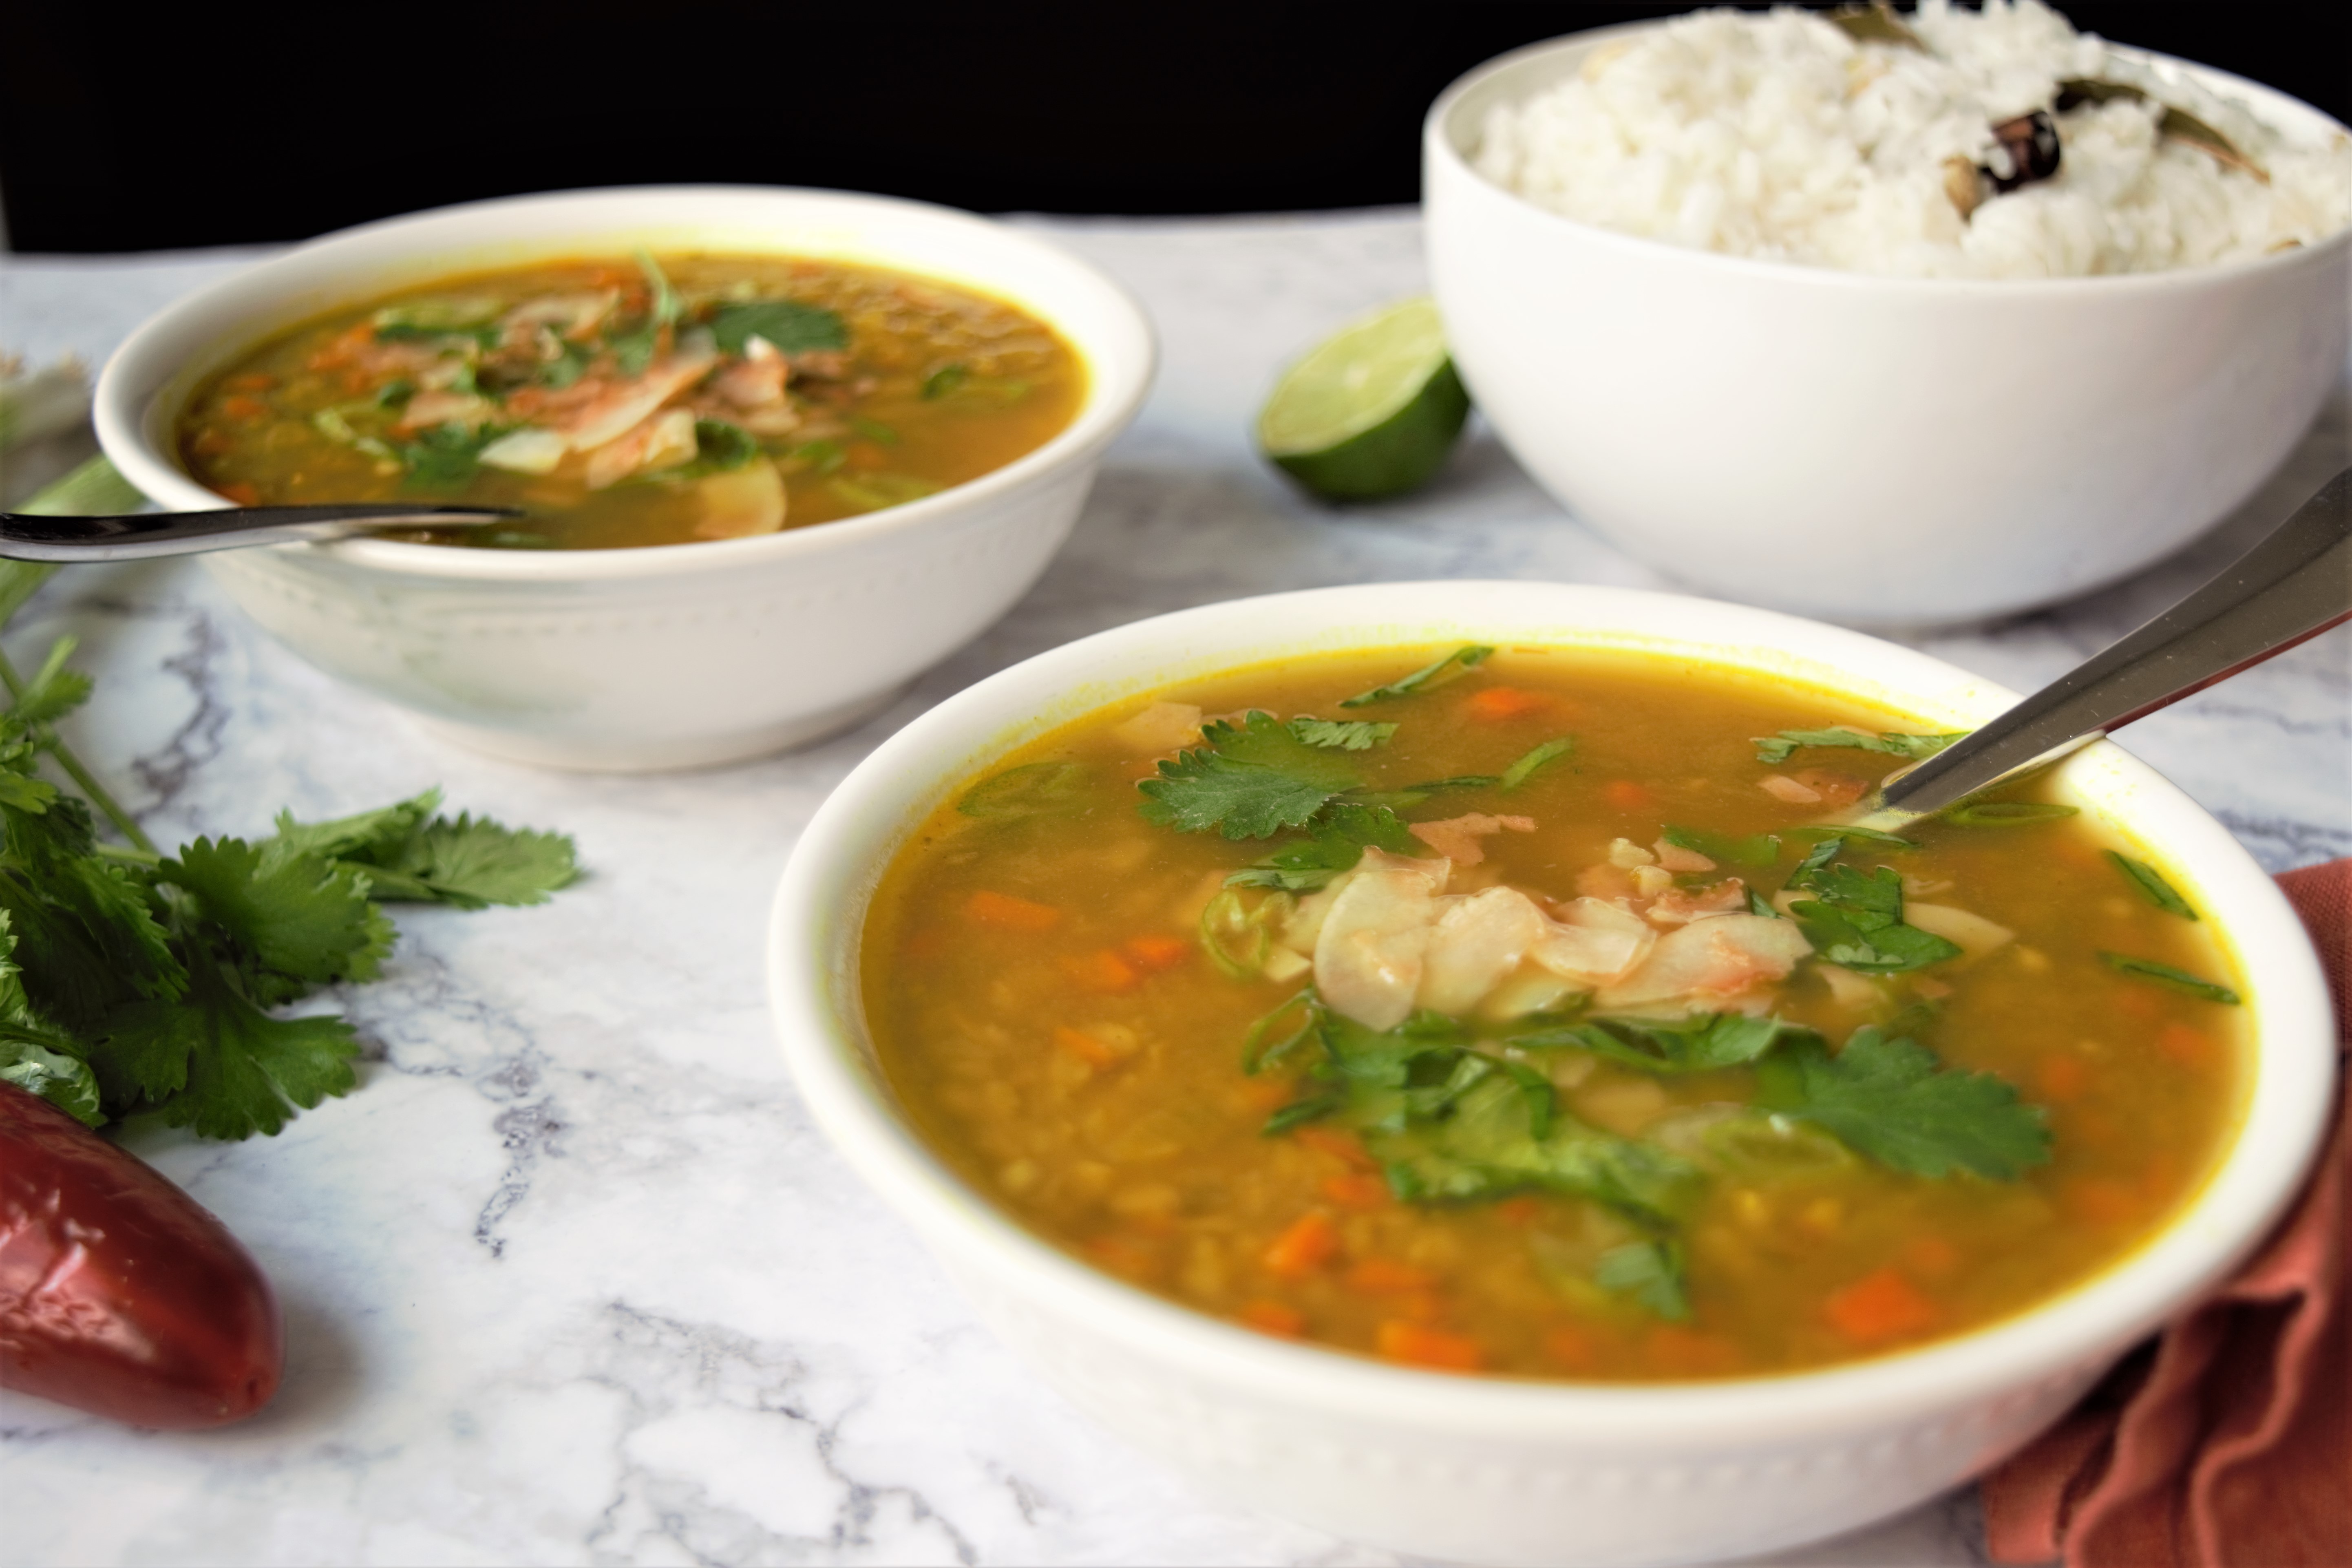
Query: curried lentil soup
{"type": "Point", "coordinates": [622, 403]}
{"type": "Point", "coordinates": [1509, 1014]}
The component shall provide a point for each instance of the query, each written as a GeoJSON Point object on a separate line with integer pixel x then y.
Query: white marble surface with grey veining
{"type": "Point", "coordinates": [571, 1279]}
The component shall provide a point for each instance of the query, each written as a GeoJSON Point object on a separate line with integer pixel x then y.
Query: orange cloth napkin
{"type": "Point", "coordinates": [2227, 1441]}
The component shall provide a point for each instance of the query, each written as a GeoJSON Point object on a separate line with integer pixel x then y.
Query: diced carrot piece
{"type": "Point", "coordinates": [1305, 1247]}
{"type": "Point", "coordinates": [1419, 1307]}
{"type": "Point", "coordinates": [240, 492]}
{"type": "Point", "coordinates": [2190, 1048]}
{"type": "Point", "coordinates": [1497, 704]}
{"type": "Point", "coordinates": [1101, 971]}
{"type": "Point", "coordinates": [1085, 1047]}
{"type": "Point", "coordinates": [1274, 1318]}
{"type": "Point", "coordinates": [1342, 1146]}
{"type": "Point", "coordinates": [1879, 1307]}
{"type": "Point", "coordinates": [1686, 1352]}
{"type": "Point", "coordinates": [1153, 954]}
{"type": "Point", "coordinates": [1930, 1254]}
{"type": "Point", "coordinates": [1386, 1275]}
{"type": "Point", "coordinates": [2062, 1078]}
{"type": "Point", "coordinates": [237, 406]}
{"type": "Point", "coordinates": [1418, 1344]}
{"type": "Point", "coordinates": [251, 381]}
{"type": "Point", "coordinates": [1625, 795]}
{"type": "Point", "coordinates": [1358, 1190]}
{"type": "Point", "coordinates": [1571, 1348]}
{"type": "Point", "coordinates": [1015, 914]}
{"type": "Point", "coordinates": [2139, 1001]}
{"type": "Point", "coordinates": [2098, 1200]}
{"type": "Point", "coordinates": [1129, 1259]}
{"type": "Point", "coordinates": [1521, 1210]}
{"type": "Point", "coordinates": [1257, 1096]}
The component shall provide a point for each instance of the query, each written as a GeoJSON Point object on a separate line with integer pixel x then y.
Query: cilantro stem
{"type": "Point", "coordinates": [92, 790]}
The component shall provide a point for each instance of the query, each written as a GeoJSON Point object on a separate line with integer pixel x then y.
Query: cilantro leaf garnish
{"type": "Point", "coordinates": [2166, 975]}
{"type": "Point", "coordinates": [1780, 747]}
{"type": "Point", "coordinates": [1450, 1123]}
{"type": "Point", "coordinates": [1248, 780]}
{"type": "Point", "coordinates": [1429, 677]}
{"type": "Point", "coordinates": [1342, 734]}
{"type": "Point", "coordinates": [1759, 850]}
{"type": "Point", "coordinates": [1653, 1272]}
{"type": "Point", "coordinates": [444, 457]}
{"type": "Point", "coordinates": [2152, 885]}
{"type": "Point", "coordinates": [1855, 917]}
{"type": "Point", "coordinates": [788, 325]}
{"type": "Point", "coordinates": [1486, 1146]}
{"type": "Point", "coordinates": [1859, 835]}
{"type": "Point", "coordinates": [1894, 1101]}
{"type": "Point", "coordinates": [1703, 1042]}
{"type": "Point", "coordinates": [1033, 789]}
{"type": "Point", "coordinates": [2005, 813]}
{"type": "Point", "coordinates": [1340, 833]}
{"type": "Point", "coordinates": [1519, 773]}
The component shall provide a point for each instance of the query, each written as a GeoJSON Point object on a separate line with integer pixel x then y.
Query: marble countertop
{"type": "Point", "coordinates": [571, 1277]}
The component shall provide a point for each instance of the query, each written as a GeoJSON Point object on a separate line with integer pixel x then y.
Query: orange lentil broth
{"type": "Point", "coordinates": [627, 402]}
{"type": "Point", "coordinates": [1047, 1007]}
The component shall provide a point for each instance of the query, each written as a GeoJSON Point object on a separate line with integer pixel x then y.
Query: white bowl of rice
{"type": "Point", "coordinates": [1750, 298]}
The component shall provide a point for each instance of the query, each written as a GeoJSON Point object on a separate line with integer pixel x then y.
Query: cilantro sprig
{"type": "Point", "coordinates": [1780, 748]}
{"type": "Point", "coordinates": [1855, 918]}
{"type": "Point", "coordinates": [136, 982]}
{"type": "Point", "coordinates": [1428, 677]}
{"type": "Point", "coordinates": [1893, 1101]}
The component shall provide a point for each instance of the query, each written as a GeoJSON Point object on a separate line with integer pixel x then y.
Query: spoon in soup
{"type": "Point", "coordinates": [2293, 586]}
{"type": "Point", "coordinates": [25, 536]}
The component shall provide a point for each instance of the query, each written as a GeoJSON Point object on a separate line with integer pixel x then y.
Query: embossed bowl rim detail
{"type": "Point", "coordinates": [814, 992]}
{"type": "Point", "coordinates": [149, 378]}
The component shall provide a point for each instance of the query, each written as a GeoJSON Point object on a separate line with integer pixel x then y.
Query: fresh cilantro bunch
{"type": "Point", "coordinates": [134, 982]}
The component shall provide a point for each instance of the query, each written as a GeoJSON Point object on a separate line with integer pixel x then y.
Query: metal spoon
{"type": "Point", "coordinates": [28, 537]}
{"type": "Point", "coordinates": [2291, 587]}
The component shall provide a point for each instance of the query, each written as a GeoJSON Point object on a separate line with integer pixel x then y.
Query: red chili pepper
{"type": "Point", "coordinates": [118, 1293]}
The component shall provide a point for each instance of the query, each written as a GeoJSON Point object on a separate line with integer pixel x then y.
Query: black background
{"type": "Point", "coordinates": [128, 128]}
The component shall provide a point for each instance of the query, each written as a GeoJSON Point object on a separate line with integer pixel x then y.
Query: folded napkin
{"type": "Point", "coordinates": [2226, 1442]}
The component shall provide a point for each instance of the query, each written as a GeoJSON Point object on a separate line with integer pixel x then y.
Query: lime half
{"type": "Point", "coordinates": [1372, 411]}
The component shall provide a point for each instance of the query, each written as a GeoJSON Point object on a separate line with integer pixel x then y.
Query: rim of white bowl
{"type": "Point", "coordinates": [2278, 109]}
{"type": "Point", "coordinates": [824, 895]}
{"type": "Point", "coordinates": [1120, 362]}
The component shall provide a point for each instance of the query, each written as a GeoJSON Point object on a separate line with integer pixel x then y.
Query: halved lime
{"type": "Point", "coordinates": [1372, 411]}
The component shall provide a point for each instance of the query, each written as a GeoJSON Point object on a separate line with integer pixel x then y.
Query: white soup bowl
{"type": "Point", "coordinates": [674, 656]}
{"type": "Point", "coordinates": [1488, 1469]}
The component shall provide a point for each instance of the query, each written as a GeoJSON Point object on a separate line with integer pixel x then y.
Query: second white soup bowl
{"type": "Point", "coordinates": [1489, 1470]}
{"type": "Point", "coordinates": [678, 654]}
{"type": "Point", "coordinates": [1882, 450]}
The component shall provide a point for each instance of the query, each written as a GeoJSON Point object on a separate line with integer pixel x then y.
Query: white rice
{"type": "Point", "coordinates": [1777, 136]}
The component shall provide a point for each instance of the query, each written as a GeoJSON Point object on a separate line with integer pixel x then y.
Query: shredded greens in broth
{"type": "Point", "coordinates": [638, 401]}
{"type": "Point", "coordinates": [1513, 1011]}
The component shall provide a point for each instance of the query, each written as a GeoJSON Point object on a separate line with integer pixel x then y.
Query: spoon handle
{"type": "Point", "coordinates": [2290, 587]}
{"type": "Point", "coordinates": [27, 537]}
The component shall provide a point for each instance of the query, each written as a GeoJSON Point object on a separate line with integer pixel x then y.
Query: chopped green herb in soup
{"type": "Point", "coordinates": [1516, 1011]}
{"type": "Point", "coordinates": [621, 403]}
